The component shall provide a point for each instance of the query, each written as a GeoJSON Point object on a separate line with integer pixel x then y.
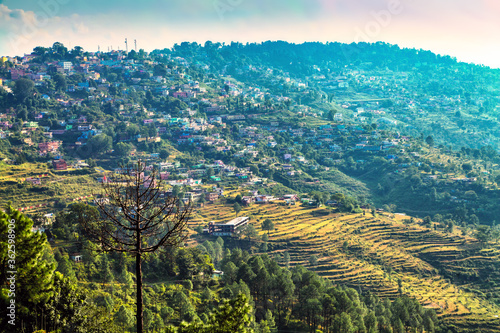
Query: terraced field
{"type": "Point", "coordinates": [385, 256]}
{"type": "Point", "coordinates": [56, 187]}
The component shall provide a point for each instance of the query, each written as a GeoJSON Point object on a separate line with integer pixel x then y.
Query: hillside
{"type": "Point", "coordinates": [408, 90]}
{"type": "Point", "coordinates": [391, 155]}
{"type": "Point", "coordinates": [451, 273]}
{"type": "Point", "coordinates": [56, 189]}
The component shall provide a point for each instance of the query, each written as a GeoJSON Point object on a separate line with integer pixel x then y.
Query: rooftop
{"type": "Point", "coordinates": [235, 221]}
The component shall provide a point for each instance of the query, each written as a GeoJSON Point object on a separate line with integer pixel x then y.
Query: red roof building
{"type": "Point", "coordinates": [60, 165]}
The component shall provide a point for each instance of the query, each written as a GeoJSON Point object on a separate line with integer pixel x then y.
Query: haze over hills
{"type": "Point", "coordinates": [384, 160]}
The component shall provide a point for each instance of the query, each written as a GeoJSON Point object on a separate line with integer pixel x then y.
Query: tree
{"type": "Point", "coordinates": [250, 233]}
{"type": "Point", "coordinates": [237, 208]}
{"type": "Point", "coordinates": [138, 220]}
{"type": "Point", "coordinates": [430, 141]}
{"type": "Point", "coordinates": [483, 233]}
{"type": "Point", "coordinates": [371, 323]}
{"type": "Point", "coordinates": [64, 266]}
{"type": "Point", "coordinates": [231, 316]}
{"type": "Point", "coordinates": [60, 81]}
{"type": "Point", "coordinates": [238, 198]}
{"type": "Point", "coordinates": [70, 308]}
{"type": "Point", "coordinates": [470, 195]}
{"type": "Point", "coordinates": [106, 274]}
{"type": "Point", "coordinates": [267, 225]}
{"type": "Point", "coordinates": [343, 323]}
{"type": "Point", "coordinates": [23, 89]}
{"type": "Point", "coordinates": [124, 316]}
{"type": "Point", "coordinates": [286, 258]}
{"type": "Point", "coordinates": [210, 172]}
{"type": "Point", "coordinates": [313, 260]}
{"type": "Point", "coordinates": [59, 50]}
{"type": "Point", "coordinates": [164, 154]}
{"type": "Point", "coordinates": [123, 149]}
{"type": "Point", "coordinates": [467, 167]}
{"type": "Point", "coordinates": [34, 277]}
{"type": "Point", "coordinates": [199, 229]}
{"type": "Point", "coordinates": [99, 144]}
{"type": "Point", "coordinates": [428, 221]}
{"type": "Point", "coordinates": [77, 51]}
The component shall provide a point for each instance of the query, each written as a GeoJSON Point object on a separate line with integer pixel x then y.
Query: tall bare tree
{"type": "Point", "coordinates": [138, 218]}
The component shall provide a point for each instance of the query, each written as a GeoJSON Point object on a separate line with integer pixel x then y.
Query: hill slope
{"type": "Point", "coordinates": [375, 254]}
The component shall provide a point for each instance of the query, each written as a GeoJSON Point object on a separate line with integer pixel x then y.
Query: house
{"type": "Point", "coordinates": [4, 135]}
{"type": "Point", "coordinates": [34, 181]}
{"type": "Point", "coordinates": [264, 198]}
{"type": "Point", "coordinates": [215, 179]}
{"type": "Point", "coordinates": [101, 201]}
{"type": "Point", "coordinates": [217, 274]}
{"type": "Point", "coordinates": [59, 164]}
{"type": "Point", "coordinates": [247, 200]}
{"type": "Point", "coordinates": [230, 228]}
{"type": "Point", "coordinates": [291, 197]}
{"type": "Point", "coordinates": [213, 196]}
{"type": "Point", "coordinates": [16, 73]}
{"type": "Point", "coordinates": [84, 127]}
{"type": "Point", "coordinates": [49, 147]}
{"type": "Point", "coordinates": [76, 257]}
{"type": "Point", "coordinates": [66, 65]}
{"type": "Point", "coordinates": [30, 124]}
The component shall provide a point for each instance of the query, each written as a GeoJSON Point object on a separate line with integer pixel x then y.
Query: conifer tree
{"type": "Point", "coordinates": [21, 252]}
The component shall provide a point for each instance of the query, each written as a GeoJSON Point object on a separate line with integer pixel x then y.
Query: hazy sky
{"type": "Point", "coordinates": [466, 29]}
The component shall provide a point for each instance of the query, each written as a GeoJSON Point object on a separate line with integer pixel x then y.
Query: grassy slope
{"type": "Point", "coordinates": [56, 186]}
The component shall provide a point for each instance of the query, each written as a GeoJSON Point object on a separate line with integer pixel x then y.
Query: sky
{"type": "Point", "coordinates": [465, 29]}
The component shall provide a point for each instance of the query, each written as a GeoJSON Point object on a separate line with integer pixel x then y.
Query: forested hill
{"type": "Point", "coordinates": [418, 91]}
{"type": "Point", "coordinates": [324, 148]}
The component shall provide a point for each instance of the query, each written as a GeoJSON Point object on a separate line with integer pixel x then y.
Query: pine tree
{"type": "Point", "coordinates": [33, 277]}
{"type": "Point", "coordinates": [343, 324]}
{"type": "Point", "coordinates": [287, 259]}
{"type": "Point", "coordinates": [124, 317]}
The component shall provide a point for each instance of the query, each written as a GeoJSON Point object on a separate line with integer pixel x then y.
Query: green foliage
{"type": "Point", "coordinates": [237, 208]}
{"type": "Point", "coordinates": [60, 81]}
{"type": "Point", "coordinates": [268, 225]}
{"type": "Point", "coordinates": [99, 144]}
{"type": "Point", "coordinates": [123, 149]}
{"type": "Point", "coordinates": [191, 262]}
{"type": "Point", "coordinates": [42, 293]}
{"type": "Point", "coordinates": [483, 233]}
{"type": "Point", "coordinates": [124, 317]}
{"type": "Point", "coordinates": [231, 316]}
{"type": "Point", "coordinates": [23, 89]}
{"type": "Point", "coordinates": [21, 250]}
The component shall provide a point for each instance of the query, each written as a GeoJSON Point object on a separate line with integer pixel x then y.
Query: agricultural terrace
{"type": "Point", "coordinates": [56, 188]}
{"type": "Point", "coordinates": [382, 255]}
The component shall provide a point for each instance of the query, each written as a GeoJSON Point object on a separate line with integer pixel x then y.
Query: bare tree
{"type": "Point", "coordinates": [138, 217]}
